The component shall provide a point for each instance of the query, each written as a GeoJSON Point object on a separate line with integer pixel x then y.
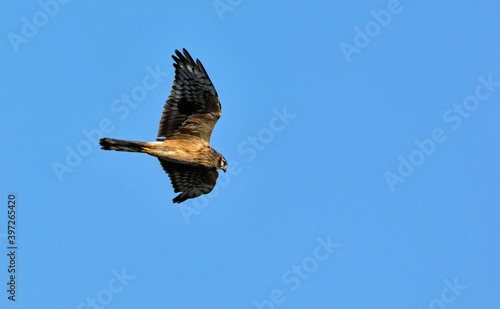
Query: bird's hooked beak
{"type": "Point", "coordinates": [223, 164]}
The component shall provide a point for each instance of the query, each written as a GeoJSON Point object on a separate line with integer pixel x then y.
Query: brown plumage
{"type": "Point", "coordinates": [183, 142]}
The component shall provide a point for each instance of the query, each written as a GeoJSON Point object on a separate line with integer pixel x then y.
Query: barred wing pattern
{"type": "Point", "coordinates": [192, 181]}
{"type": "Point", "coordinates": [193, 107]}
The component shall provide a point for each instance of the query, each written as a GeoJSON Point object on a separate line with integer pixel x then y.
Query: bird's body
{"type": "Point", "coordinates": [181, 151]}
{"type": "Point", "coordinates": [183, 142]}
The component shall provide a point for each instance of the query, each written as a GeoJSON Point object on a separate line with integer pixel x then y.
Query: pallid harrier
{"type": "Point", "coordinates": [183, 142]}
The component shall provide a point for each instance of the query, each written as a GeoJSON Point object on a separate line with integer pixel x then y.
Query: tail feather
{"type": "Point", "coordinates": [121, 145]}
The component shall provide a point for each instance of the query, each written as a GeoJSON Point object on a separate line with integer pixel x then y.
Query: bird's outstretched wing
{"type": "Point", "coordinates": [191, 181]}
{"type": "Point", "coordinates": [193, 107]}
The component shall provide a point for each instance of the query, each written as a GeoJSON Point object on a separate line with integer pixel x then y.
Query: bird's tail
{"type": "Point", "coordinates": [121, 145]}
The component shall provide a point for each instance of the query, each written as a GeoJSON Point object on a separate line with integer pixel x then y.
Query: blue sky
{"type": "Point", "coordinates": [362, 140]}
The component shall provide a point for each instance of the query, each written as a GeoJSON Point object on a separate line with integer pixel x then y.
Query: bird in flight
{"type": "Point", "coordinates": [183, 142]}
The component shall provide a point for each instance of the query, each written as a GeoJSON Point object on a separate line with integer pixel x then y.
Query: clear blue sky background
{"type": "Point", "coordinates": [354, 116]}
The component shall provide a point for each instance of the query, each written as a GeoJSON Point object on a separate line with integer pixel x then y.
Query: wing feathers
{"type": "Point", "coordinates": [192, 94]}
{"type": "Point", "coordinates": [191, 181]}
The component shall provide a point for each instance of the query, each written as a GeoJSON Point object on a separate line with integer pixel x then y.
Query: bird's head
{"type": "Point", "coordinates": [222, 164]}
